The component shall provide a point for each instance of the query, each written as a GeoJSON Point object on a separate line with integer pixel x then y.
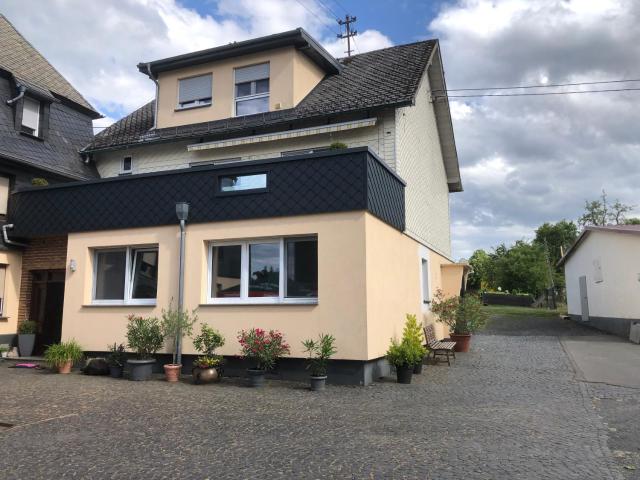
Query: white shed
{"type": "Point", "coordinates": [602, 273]}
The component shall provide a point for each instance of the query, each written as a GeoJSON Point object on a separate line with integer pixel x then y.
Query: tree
{"type": "Point", "coordinates": [632, 221]}
{"type": "Point", "coordinates": [600, 212]}
{"type": "Point", "coordinates": [556, 237]}
{"type": "Point", "coordinates": [521, 268]}
{"type": "Point", "coordinates": [479, 262]}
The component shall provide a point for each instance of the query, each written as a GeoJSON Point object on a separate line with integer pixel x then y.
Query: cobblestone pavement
{"type": "Point", "coordinates": [509, 409]}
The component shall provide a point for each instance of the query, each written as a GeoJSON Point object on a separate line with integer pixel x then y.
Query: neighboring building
{"type": "Point", "coordinates": [602, 273]}
{"type": "Point", "coordinates": [44, 122]}
{"type": "Point", "coordinates": [287, 229]}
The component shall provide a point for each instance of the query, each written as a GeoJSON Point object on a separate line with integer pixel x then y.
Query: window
{"type": "Point", "coordinates": [126, 167]}
{"type": "Point", "coordinates": [3, 274]}
{"type": "Point", "coordinates": [195, 91]}
{"type": "Point", "coordinates": [239, 183]}
{"type": "Point", "coordinates": [252, 89]}
{"type": "Point", "coordinates": [126, 276]}
{"type": "Point", "coordinates": [424, 272]}
{"type": "Point", "coordinates": [31, 116]}
{"type": "Point", "coordinates": [4, 195]}
{"type": "Point", "coordinates": [283, 270]}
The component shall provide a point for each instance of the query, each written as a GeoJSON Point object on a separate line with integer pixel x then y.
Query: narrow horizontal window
{"type": "Point", "coordinates": [195, 91]}
{"type": "Point", "coordinates": [239, 183]}
{"type": "Point", "coordinates": [282, 270]}
{"type": "Point", "coordinates": [125, 275]}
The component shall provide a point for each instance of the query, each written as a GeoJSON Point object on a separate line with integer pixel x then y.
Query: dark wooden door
{"type": "Point", "coordinates": [47, 300]}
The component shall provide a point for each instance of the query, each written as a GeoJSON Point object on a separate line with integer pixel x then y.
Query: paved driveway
{"type": "Point", "coordinates": [510, 409]}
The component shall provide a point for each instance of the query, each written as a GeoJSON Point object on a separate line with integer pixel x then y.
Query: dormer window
{"type": "Point", "coordinates": [31, 116]}
{"type": "Point", "coordinates": [195, 91]}
{"type": "Point", "coordinates": [126, 167]}
{"type": "Point", "coordinates": [252, 89]}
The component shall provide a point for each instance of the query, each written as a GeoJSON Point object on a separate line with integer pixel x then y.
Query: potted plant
{"type": "Point", "coordinates": [63, 355]}
{"type": "Point", "coordinates": [463, 316]}
{"type": "Point", "coordinates": [26, 337]}
{"type": "Point", "coordinates": [116, 359]}
{"type": "Point", "coordinates": [4, 351]}
{"type": "Point", "coordinates": [403, 357]}
{"type": "Point", "coordinates": [144, 336]}
{"type": "Point", "coordinates": [262, 349]}
{"type": "Point", "coordinates": [206, 368]}
{"type": "Point", "coordinates": [175, 325]}
{"type": "Point", "coordinates": [414, 334]}
{"type": "Point", "coordinates": [320, 352]}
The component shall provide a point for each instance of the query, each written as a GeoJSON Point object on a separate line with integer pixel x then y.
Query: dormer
{"type": "Point", "coordinates": [243, 78]}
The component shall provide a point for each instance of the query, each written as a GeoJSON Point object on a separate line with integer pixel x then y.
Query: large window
{"type": "Point", "coordinates": [126, 276]}
{"type": "Point", "coordinates": [195, 91]}
{"type": "Point", "coordinates": [252, 89]}
{"type": "Point", "coordinates": [31, 116]}
{"type": "Point", "coordinates": [283, 270]}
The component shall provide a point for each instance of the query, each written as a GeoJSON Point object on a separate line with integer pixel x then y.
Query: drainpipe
{"type": "Point", "coordinates": [21, 90]}
{"type": "Point", "coordinates": [5, 236]}
{"type": "Point", "coordinates": [155, 104]}
{"type": "Point", "coordinates": [182, 212]}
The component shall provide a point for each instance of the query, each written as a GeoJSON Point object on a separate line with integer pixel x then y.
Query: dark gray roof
{"type": "Point", "coordinates": [377, 79]}
{"type": "Point", "coordinates": [20, 58]}
{"type": "Point", "coordinates": [297, 38]}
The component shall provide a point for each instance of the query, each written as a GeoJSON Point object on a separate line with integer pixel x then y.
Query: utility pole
{"type": "Point", "coordinates": [348, 20]}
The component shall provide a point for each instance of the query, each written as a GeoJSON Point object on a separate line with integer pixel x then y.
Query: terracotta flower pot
{"type": "Point", "coordinates": [172, 372]}
{"type": "Point", "coordinates": [65, 367]}
{"type": "Point", "coordinates": [463, 341]}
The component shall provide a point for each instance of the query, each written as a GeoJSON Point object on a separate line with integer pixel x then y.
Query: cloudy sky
{"type": "Point", "coordinates": [525, 160]}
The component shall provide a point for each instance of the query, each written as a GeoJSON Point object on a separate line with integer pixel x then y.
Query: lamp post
{"type": "Point", "coordinates": [182, 212]}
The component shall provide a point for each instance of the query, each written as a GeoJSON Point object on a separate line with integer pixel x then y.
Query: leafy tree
{"type": "Point", "coordinates": [632, 221]}
{"type": "Point", "coordinates": [479, 262]}
{"type": "Point", "coordinates": [601, 212]}
{"type": "Point", "coordinates": [555, 238]}
{"type": "Point", "coordinates": [520, 268]}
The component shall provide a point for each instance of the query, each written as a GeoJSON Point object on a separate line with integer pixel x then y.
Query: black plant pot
{"type": "Point", "coordinates": [140, 370]}
{"type": "Point", "coordinates": [256, 377]}
{"type": "Point", "coordinates": [404, 373]}
{"type": "Point", "coordinates": [318, 383]}
{"type": "Point", "coordinates": [115, 371]}
{"type": "Point", "coordinates": [417, 368]}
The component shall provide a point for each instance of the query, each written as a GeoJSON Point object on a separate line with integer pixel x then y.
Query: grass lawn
{"type": "Point", "coordinates": [523, 311]}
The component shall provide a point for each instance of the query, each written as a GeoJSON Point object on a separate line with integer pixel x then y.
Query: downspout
{"type": "Point", "coordinates": [180, 290]}
{"type": "Point", "coordinates": [155, 104]}
{"type": "Point", "coordinates": [21, 90]}
{"type": "Point", "coordinates": [5, 236]}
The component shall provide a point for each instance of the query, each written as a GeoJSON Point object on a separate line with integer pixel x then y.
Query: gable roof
{"type": "Point", "coordinates": [623, 229]}
{"type": "Point", "coordinates": [381, 78]}
{"type": "Point", "coordinates": [27, 65]}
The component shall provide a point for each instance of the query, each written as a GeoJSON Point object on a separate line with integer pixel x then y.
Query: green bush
{"type": "Point", "coordinates": [206, 343]}
{"type": "Point", "coordinates": [60, 353]}
{"type": "Point", "coordinates": [409, 351]}
{"type": "Point", "coordinates": [320, 352]}
{"type": "Point", "coordinates": [338, 145]}
{"type": "Point", "coordinates": [27, 327]}
{"type": "Point", "coordinates": [463, 315]}
{"type": "Point", "coordinates": [117, 355]}
{"type": "Point", "coordinates": [177, 323]}
{"type": "Point", "coordinates": [144, 336]}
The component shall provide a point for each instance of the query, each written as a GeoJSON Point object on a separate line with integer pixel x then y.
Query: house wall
{"type": "Point", "coordinates": [42, 254]}
{"type": "Point", "coordinates": [617, 296]}
{"type": "Point", "coordinates": [292, 76]}
{"type": "Point", "coordinates": [169, 156]}
{"type": "Point", "coordinates": [419, 162]}
{"type": "Point", "coordinates": [341, 308]}
{"type": "Point", "coordinates": [13, 261]}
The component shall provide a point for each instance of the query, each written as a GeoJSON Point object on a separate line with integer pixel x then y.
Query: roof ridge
{"type": "Point", "coordinates": [430, 40]}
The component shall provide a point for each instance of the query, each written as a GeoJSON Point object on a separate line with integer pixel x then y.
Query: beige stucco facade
{"type": "Point", "coordinates": [292, 76]}
{"type": "Point", "coordinates": [13, 261]}
{"type": "Point", "coordinates": [368, 279]}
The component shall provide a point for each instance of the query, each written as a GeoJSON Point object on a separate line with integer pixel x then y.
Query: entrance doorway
{"type": "Point", "coordinates": [47, 300]}
{"type": "Point", "coordinates": [584, 299]}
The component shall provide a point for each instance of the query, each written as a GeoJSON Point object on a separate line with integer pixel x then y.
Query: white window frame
{"type": "Point", "coordinates": [425, 257]}
{"type": "Point", "coordinates": [4, 267]}
{"type": "Point", "coordinates": [201, 102]}
{"type": "Point", "coordinates": [244, 298]}
{"type": "Point", "coordinates": [36, 131]}
{"type": "Point", "coordinates": [128, 278]}
{"type": "Point", "coordinates": [252, 96]}
{"type": "Point", "coordinates": [122, 169]}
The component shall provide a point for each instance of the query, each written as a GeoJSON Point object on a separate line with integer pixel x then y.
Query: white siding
{"type": "Point", "coordinates": [167, 156]}
{"type": "Point", "coordinates": [618, 294]}
{"type": "Point", "coordinates": [420, 164]}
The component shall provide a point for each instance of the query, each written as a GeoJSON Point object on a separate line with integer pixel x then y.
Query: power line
{"type": "Point", "coordinates": [317, 16]}
{"type": "Point", "coordinates": [340, 5]}
{"type": "Point", "coordinates": [539, 86]}
{"type": "Point", "coordinates": [328, 9]}
{"type": "Point", "coordinates": [540, 93]}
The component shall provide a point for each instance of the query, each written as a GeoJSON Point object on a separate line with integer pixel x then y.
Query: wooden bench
{"type": "Point", "coordinates": [439, 349]}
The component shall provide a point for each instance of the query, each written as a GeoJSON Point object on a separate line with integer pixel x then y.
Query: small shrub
{"type": "Point", "coordinates": [27, 327]}
{"type": "Point", "coordinates": [463, 315]}
{"type": "Point", "coordinates": [144, 336]}
{"type": "Point", "coordinates": [39, 182]}
{"type": "Point", "coordinates": [262, 348]}
{"type": "Point", "coordinates": [117, 355]}
{"type": "Point", "coordinates": [400, 354]}
{"type": "Point", "coordinates": [320, 352]}
{"type": "Point", "coordinates": [60, 353]}
{"type": "Point", "coordinates": [177, 323]}
{"type": "Point", "coordinates": [206, 343]}
{"type": "Point", "coordinates": [338, 145]}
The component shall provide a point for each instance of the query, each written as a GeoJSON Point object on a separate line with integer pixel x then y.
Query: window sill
{"type": "Point", "coordinates": [35, 137]}
{"type": "Point", "coordinates": [289, 301]}
{"type": "Point", "coordinates": [128, 304]}
{"type": "Point", "coordinates": [191, 107]}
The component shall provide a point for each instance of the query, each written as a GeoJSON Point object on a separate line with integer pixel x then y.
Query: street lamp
{"type": "Point", "coordinates": [182, 212]}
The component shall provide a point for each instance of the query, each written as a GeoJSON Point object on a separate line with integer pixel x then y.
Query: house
{"type": "Point", "coordinates": [44, 122]}
{"type": "Point", "coordinates": [318, 194]}
{"type": "Point", "coordinates": [602, 272]}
